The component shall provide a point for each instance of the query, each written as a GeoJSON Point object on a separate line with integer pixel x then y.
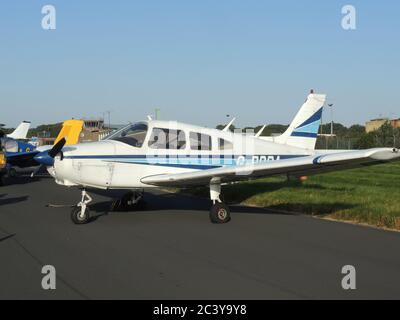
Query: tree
{"type": "Point", "coordinates": [355, 131]}
{"type": "Point", "coordinates": [384, 135]}
{"type": "Point", "coordinates": [365, 141]}
{"type": "Point", "coordinates": [272, 129]}
{"type": "Point", "coordinates": [51, 130]}
{"type": "Point", "coordinates": [396, 138]}
{"type": "Point", "coordinates": [221, 126]}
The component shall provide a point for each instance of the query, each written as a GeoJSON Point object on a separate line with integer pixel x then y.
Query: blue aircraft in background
{"type": "Point", "coordinates": [22, 154]}
{"type": "Point", "coordinates": [15, 144]}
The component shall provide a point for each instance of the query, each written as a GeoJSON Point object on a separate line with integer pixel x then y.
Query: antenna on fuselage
{"type": "Point", "coordinates": [260, 131]}
{"type": "Point", "coordinates": [229, 125]}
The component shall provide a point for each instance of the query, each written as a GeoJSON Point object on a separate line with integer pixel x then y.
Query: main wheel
{"type": "Point", "coordinates": [220, 213]}
{"type": "Point", "coordinates": [127, 203]}
{"type": "Point", "coordinates": [79, 218]}
{"type": "Point", "coordinates": [12, 173]}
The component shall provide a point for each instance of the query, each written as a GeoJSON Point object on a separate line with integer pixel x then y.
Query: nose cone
{"type": "Point", "coordinates": [44, 158]}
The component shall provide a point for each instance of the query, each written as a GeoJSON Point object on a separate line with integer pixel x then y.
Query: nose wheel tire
{"type": "Point", "coordinates": [220, 213]}
{"type": "Point", "coordinates": [79, 217]}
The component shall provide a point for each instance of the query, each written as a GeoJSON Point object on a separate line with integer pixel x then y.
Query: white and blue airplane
{"type": "Point", "coordinates": [152, 153]}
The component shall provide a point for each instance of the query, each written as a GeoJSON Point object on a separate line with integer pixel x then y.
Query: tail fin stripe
{"type": "Point", "coordinates": [304, 134]}
{"type": "Point", "coordinates": [314, 118]}
{"type": "Point", "coordinates": [311, 128]}
{"type": "Point", "coordinates": [303, 131]}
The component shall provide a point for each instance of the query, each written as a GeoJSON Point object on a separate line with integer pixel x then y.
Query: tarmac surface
{"type": "Point", "coordinates": [172, 251]}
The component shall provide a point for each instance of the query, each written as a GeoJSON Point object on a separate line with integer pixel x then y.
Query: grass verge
{"type": "Point", "coordinates": [368, 195]}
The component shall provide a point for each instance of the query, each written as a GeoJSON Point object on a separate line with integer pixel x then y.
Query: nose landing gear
{"type": "Point", "coordinates": [81, 213]}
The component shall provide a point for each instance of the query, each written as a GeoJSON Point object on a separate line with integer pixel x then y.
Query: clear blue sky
{"type": "Point", "coordinates": [197, 60]}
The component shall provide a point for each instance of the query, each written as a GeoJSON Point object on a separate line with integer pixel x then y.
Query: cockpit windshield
{"type": "Point", "coordinates": [133, 135]}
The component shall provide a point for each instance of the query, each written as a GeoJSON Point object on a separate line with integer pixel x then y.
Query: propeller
{"type": "Point", "coordinates": [57, 148]}
{"type": "Point", "coordinates": [46, 158]}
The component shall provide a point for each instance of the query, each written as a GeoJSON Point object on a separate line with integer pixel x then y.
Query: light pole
{"type": "Point", "coordinates": [156, 113]}
{"type": "Point", "coordinates": [109, 118]}
{"type": "Point", "coordinates": [331, 106]}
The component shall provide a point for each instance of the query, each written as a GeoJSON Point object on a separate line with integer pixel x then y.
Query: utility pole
{"type": "Point", "coordinates": [331, 105]}
{"type": "Point", "coordinates": [109, 119]}
{"type": "Point", "coordinates": [157, 113]}
{"type": "Point", "coordinates": [322, 124]}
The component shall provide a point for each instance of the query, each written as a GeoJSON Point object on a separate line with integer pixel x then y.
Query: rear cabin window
{"type": "Point", "coordinates": [224, 144]}
{"type": "Point", "coordinates": [162, 138]}
{"type": "Point", "coordinates": [199, 141]}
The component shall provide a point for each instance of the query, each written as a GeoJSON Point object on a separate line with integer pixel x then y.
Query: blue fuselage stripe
{"type": "Point", "coordinates": [186, 161]}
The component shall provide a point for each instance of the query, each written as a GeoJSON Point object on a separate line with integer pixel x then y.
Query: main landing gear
{"type": "Point", "coordinates": [130, 201]}
{"type": "Point", "coordinates": [81, 214]}
{"type": "Point", "coordinates": [219, 212]}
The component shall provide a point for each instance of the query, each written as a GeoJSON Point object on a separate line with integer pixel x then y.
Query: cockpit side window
{"type": "Point", "coordinates": [10, 145]}
{"type": "Point", "coordinates": [134, 135]}
{"type": "Point", "coordinates": [162, 138]}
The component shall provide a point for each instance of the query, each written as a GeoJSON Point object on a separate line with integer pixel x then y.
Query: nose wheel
{"type": "Point", "coordinates": [81, 213]}
{"type": "Point", "coordinates": [80, 216]}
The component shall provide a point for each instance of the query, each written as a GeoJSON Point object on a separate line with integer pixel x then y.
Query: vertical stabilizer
{"type": "Point", "coordinates": [303, 130]}
{"type": "Point", "coordinates": [21, 131]}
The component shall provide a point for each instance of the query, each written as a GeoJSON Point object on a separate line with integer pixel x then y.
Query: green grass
{"type": "Point", "coordinates": [368, 195]}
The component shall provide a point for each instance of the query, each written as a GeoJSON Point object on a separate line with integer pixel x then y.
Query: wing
{"type": "Point", "coordinates": [22, 159]}
{"type": "Point", "coordinates": [307, 165]}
